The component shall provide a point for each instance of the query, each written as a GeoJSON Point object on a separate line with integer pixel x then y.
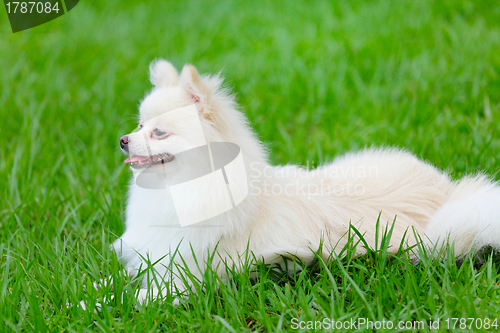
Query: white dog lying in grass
{"type": "Point", "coordinates": [274, 211]}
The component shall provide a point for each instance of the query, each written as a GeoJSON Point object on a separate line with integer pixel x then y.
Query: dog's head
{"type": "Point", "coordinates": [172, 113]}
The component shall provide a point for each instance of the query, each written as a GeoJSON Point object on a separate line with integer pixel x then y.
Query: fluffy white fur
{"type": "Point", "coordinates": [312, 206]}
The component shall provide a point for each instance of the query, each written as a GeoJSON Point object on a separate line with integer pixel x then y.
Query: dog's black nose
{"type": "Point", "coordinates": [124, 142]}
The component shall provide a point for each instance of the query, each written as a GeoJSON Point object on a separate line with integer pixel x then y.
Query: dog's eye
{"type": "Point", "coordinates": [159, 133]}
{"type": "Point", "coordinates": [140, 126]}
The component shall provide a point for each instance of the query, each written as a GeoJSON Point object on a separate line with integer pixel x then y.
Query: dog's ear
{"type": "Point", "coordinates": [197, 87]}
{"type": "Point", "coordinates": [163, 74]}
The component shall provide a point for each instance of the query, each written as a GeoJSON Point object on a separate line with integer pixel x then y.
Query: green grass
{"type": "Point", "coordinates": [316, 79]}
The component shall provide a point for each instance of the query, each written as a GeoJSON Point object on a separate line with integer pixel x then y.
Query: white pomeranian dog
{"type": "Point", "coordinates": [185, 202]}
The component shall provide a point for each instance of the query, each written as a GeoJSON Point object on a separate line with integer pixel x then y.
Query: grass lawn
{"type": "Point", "coordinates": [315, 78]}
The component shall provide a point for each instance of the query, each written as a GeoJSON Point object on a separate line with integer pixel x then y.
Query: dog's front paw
{"type": "Point", "coordinates": [145, 295]}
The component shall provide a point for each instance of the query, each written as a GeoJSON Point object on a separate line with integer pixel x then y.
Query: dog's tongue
{"type": "Point", "coordinates": [136, 159]}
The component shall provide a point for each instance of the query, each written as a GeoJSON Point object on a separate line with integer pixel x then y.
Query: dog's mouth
{"type": "Point", "coordinates": [140, 162]}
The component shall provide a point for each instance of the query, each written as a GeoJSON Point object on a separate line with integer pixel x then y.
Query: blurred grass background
{"type": "Point", "coordinates": [315, 78]}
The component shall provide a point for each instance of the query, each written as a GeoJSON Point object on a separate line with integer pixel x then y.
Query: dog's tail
{"type": "Point", "coordinates": [470, 219]}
